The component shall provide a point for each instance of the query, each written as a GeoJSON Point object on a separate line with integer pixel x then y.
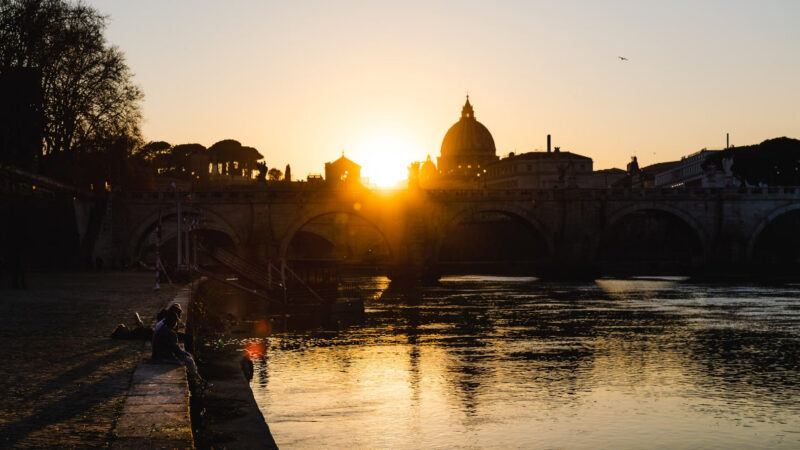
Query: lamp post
{"type": "Point", "coordinates": [158, 251]}
{"type": "Point", "coordinates": [179, 260]}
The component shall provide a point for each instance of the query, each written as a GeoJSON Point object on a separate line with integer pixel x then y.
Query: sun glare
{"type": "Point", "coordinates": [384, 160]}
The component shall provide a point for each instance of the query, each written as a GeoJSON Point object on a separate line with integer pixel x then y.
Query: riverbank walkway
{"type": "Point", "coordinates": [63, 381]}
{"type": "Point", "coordinates": [156, 412]}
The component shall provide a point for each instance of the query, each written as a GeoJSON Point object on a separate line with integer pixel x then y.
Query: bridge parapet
{"type": "Point", "coordinates": [789, 192]}
{"type": "Point", "coordinates": [255, 195]}
{"type": "Point", "coordinates": [269, 194]}
{"type": "Point", "coordinates": [572, 222]}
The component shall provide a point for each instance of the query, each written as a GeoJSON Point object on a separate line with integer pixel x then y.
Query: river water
{"type": "Point", "coordinates": [489, 362]}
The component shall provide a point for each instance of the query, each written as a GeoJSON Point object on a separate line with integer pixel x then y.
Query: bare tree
{"type": "Point", "coordinates": [88, 93]}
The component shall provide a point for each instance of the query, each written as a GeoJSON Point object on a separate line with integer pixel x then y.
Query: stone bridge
{"type": "Point", "coordinates": [574, 227]}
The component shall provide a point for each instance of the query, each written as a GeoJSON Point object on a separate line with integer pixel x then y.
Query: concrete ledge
{"type": "Point", "coordinates": [156, 411]}
{"type": "Point", "coordinates": [234, 417]}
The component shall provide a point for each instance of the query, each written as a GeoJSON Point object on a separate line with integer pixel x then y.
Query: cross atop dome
{"type": "Point", "coordinates": [466, 111]}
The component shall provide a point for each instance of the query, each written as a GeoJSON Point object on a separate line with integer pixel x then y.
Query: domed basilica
{"type": "Point", "coordinates": [467, 147]}
{"type": "Point", "coordinates": [469, 159]}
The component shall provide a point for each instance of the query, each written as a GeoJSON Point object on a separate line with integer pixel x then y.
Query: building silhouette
{"type": "Point", "coordinates": [469, 160]}
{"type": "Point", "coordinates": [689, 172]}
{"type": "Point", "coordinates": [343, 171]}
{"type": "Point", "coordinates": [428, 173]}
{"type": "Point", "coordinates": [467, 148]}
{"type": "Point", "coordinates": [21, 120]}
{"type": "Point", "coordinates": [536, 170]}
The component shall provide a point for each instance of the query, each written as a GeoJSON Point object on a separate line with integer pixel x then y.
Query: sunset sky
{"type": "Point", "coordinates": [383, 81]}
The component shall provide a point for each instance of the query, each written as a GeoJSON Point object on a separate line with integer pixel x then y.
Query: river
{"type": "Point", "coordinates": [492, 362]}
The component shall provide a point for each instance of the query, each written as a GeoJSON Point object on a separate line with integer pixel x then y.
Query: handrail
{"type": "Point", "coordinates": [303, 283]}
{"type": "Point", "coordinates": [262, 278]}
{"type": "Point", "coordinates": [224, 280]}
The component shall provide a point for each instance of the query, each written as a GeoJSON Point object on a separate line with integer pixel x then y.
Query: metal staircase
{"type": "Point", "coordinates": [279, 285]}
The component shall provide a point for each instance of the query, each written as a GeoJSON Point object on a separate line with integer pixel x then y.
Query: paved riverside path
{"type": "Point", "coordinates": [156, 412]}
{"type": "Point", "coordinates": [63, 381]}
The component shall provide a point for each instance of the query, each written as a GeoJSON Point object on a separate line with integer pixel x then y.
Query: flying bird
{"type": "Point", "coordinates": [622, 58]}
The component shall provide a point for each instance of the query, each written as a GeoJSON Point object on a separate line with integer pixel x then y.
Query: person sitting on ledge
{"type": "Point", "coordinates": [176, 308]}
{"type": "Point", "coordinates": [167, 350]}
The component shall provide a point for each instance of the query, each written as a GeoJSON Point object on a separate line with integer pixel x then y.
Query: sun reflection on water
{"type": "Point", "coordinates": [487, 363]}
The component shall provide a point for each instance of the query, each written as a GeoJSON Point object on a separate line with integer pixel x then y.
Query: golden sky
{"type": "Point", "coordinates": [383, 81]}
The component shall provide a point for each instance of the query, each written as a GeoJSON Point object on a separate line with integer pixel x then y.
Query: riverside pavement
{"type": "Point", "coordinates": [156, 412]}
{"type": "Point", "coordinates": [63, 381]}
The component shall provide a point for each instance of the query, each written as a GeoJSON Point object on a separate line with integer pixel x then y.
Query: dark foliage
{"type": "Point", "coordinates": [153, 150]}
{"type": "Point", "coordinates": [234, 159]}
{"type": "Point", "coordinates": [88, 93]}
{"type": "Point", "coordinates": [774, 162]}
{"type": "Point", "coordinates": [275, 174]}
{"type": "Point", "coordinates": [88, 97]}
{"type": "Point", "coordinates": [193, 162]}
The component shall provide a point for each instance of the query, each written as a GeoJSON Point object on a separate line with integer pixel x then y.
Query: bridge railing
{"type": "Point", "coordinates": [611, 193]}
{"type": "Point", "coordinates": [266, 194]}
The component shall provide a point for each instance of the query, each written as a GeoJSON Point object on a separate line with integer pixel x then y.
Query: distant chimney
{"type": "Point", "coordinates": [548, 143]}
{"type": "Point", "coordinates": [727, 140]}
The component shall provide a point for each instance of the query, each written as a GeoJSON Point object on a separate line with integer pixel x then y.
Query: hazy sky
{"type": "Point", "coordinates": [383, 81]}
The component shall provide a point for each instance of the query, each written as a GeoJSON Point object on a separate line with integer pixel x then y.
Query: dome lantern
{"type": "Point", "coordinates": [467, 111]}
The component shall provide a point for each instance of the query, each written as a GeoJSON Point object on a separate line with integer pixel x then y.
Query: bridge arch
{"type": "Point", "coordinates": [771, 219]}
{"type": "Point", "coordinates": [669, 215]}
{"type": "Point", "coordinates": [665, 208]}
{"type": "Point", "coordinates": [310, 216]}
{"type": "Point", "coordinates": [211, 222]}
{"type": "Point", "coordinates": [518, 214]}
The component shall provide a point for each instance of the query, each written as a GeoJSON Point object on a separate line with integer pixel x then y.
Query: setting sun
{"type": "Point", "coordinates": [385, 159]}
